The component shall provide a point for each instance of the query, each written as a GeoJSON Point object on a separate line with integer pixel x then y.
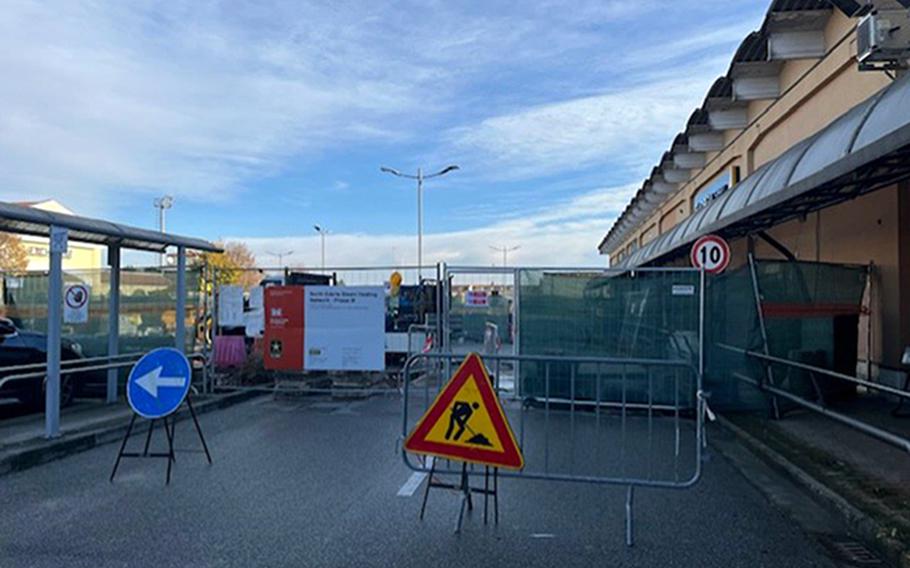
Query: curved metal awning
{"type": "Point", "coordinates": [30, 221]}
{"type": "Point", "coordinates": [865, 149]}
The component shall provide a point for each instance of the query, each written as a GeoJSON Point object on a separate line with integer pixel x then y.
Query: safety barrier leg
{"type": "Point", "coordinates": [630, 497]}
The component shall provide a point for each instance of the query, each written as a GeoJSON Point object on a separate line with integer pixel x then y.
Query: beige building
{"type": "Point", "coordinates": [79, 256]}
{"type": "Point", "coordinates": [799, 154]}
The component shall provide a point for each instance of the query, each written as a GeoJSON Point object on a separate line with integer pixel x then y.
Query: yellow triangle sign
{"type": "Point", "coordinates": [466, 422]}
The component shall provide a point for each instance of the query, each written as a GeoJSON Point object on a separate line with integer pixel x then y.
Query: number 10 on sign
{"type": "Point", "coordinates": [711, 253]}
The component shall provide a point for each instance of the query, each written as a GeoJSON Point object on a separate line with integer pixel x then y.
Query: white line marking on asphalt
{"type": "Point", "coordinates": [543, 535]}
{"type": "Point", "coordinates": [410, 486]}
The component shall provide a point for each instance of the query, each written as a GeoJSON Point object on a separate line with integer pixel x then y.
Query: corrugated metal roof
{"type": "Point", "coordinates": [721, 89]}
{"type": "Point", "coordinates": [753, 48]}
{"type": "Point", "coordinates": [698, 118]}
{"type": "Point", "coordinates": [868, 132]}
{"type": "Point", "coordinates": [28, 220]}
{"type": "Point", "coordinates": [799, 5]}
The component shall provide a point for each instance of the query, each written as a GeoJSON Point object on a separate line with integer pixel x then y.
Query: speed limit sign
{"type": "Point", "coordinates": [711, 253]}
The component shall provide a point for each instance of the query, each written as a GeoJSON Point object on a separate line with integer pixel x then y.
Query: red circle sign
{"type": "Point", "coordinates": [711, 253]}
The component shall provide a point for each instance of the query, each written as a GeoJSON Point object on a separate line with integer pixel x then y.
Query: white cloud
{"type": "Point", "coordinates": [626, 128]}
{"type": "Point", "coordinates": [102, 98]}
{"type": "Point", "coordinates": [106, 99]}
{"type": "Point", "coordinates": [560, 235]}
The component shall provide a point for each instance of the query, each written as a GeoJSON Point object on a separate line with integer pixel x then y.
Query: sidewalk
{"type": "Point", "coordinates": [868, 481]}
{"type": "Point", "coordinates": [84, 425]}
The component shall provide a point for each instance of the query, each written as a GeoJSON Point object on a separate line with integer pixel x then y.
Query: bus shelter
{"type": "Point", "coordinates": [60, 228]}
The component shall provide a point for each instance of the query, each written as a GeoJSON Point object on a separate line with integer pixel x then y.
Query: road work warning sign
{"type": "Point", "coordinates": [466, 422]}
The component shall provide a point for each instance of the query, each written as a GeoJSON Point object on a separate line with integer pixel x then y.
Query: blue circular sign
{"type": "Point", "coordinates": [158, 383]}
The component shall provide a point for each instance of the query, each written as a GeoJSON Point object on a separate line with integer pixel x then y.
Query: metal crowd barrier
{"type": "Point", "coordinates": [624, 434]}
{"type": "Point", "coordinates": [765, 385]}
{"type": "Point", "coordinates": [76, 366]}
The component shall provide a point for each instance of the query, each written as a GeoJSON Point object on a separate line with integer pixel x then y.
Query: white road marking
{"type": "Point", "coordinates": [410, 486]}
{"type": "Point", "coordinates": [543, 535]}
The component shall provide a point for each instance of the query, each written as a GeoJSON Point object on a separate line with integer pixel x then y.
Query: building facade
{"type": "Point", "coordinates": [800, 154]}
{"type": "Point", "coordinates": [79, 256]}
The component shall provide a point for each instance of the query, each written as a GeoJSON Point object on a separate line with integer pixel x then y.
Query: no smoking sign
{"type": "Point", "coordinates": [711, 253]}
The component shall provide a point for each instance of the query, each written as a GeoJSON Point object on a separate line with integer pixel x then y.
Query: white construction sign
{"type": "Point", "coordinates": [75, 303]}
{"type": "Point", "coordinates": [230, 306]}
{"type": "Point", "coordinates": [344, 328]}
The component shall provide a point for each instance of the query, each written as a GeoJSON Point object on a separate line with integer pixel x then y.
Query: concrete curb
{"type": "Point", "coordinates": [29, 456]}
{"type": "Point", "coordinates": [867, 527]}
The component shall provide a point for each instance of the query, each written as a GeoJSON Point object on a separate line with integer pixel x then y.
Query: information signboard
{"type": "Point", "coordinates": [344, 328]}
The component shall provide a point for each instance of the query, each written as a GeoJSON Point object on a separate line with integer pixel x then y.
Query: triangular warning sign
{"type": "Point", "coordinates": [467, 423]}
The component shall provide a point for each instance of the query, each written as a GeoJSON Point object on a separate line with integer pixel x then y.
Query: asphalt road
{"type": "Point", "coordinates": [311, 483]}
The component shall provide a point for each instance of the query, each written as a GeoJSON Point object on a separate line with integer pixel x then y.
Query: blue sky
{"type": "Point", "coordinates": [263, 118]}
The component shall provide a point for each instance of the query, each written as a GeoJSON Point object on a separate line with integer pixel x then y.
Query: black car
{"type": "Point", "coordinates": [20, 347]}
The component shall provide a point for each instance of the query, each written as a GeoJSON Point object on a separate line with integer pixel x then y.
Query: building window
{"type": "Point", "coordinates": [712, 190]}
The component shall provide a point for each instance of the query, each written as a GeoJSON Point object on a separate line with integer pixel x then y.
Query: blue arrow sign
{"type": "Point", "coordinates": [158, 383]}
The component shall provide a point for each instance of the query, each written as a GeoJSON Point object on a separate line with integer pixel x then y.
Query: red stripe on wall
{"type": "Point", "coordinates": [791, 310]}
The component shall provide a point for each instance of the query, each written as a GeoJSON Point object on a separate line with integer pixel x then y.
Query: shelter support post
{"type": "Point", "coordinates": [54, 324]}
{"type": "Point", "coordinates": [180, 334]}
{"type": "Point", "coordinates": [769, 372]}
{"type": "Point", "coordinates": [113, 337]}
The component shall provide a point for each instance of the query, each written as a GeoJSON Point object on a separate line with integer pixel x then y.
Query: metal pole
{"type": "Point", "coordinates": [630, 527]}
{"type": "Point", "coordinates": [54, 324]}
{"type": "Point", "coordinates": [516, 328]}
{"type": "Point", "coordinates": [419, 224]}
{"type": "Point", "coordinates": [180, 334]}
{"type": "Point", "coordinates": [113, 310]}
{"type": "Point", "coordinates": [322, 238]}
{"type": "Point", "coordinates": [756, 291]}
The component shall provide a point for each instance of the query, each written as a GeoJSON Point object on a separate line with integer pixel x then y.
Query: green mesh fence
{"type": "Point", "coordinates": [811, 314]}
{"type": "Point", "coordinates": [468, 322]}
{"type": "Point", "coordinates": [148, 300]}
{"type": "Point", "coordinates": [641, 315]}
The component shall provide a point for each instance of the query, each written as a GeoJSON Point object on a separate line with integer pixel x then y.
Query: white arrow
{"type": "Point", "coordinates": [153, 380]}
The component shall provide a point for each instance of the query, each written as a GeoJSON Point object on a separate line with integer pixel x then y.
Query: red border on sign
{"type": "Point", "coordinates": [510, 457]}
{"type": "Point", "coordinates": [724, 247]}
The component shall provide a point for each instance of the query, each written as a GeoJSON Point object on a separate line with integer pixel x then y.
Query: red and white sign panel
{"type": "Point", "coordinates": [711, 253]}
{"type": "Point", "coordinates": [476, 299]}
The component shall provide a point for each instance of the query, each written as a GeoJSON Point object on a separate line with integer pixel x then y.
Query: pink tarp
{"type": "Point", "coordinates": [230, 351]}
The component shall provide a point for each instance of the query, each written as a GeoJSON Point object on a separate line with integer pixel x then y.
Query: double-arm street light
{"type": "Point", "coordinates": [505, 257]}
{"type": "Point", "coordinates": [162, 204]}
{"type": "Point", "coordinates": [505, 253]}
{"type": "Point", "coordinates": [419, 177]}
{"type": "Point", "coordinates": [281, 256]}
{"type": "Point", "coordinates": [322, 233]}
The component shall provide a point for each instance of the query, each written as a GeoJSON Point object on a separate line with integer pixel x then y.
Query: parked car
{"type": "Point", "coordinates": [20, 347]}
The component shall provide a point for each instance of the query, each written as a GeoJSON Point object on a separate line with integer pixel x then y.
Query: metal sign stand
{"type": "Point", "coordinates": [464, 487]}
{"type": "Point", "coordinates": [169, 434]}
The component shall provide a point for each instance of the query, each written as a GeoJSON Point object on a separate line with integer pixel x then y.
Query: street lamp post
{"type": "Point", "coordinates": [505, 253]}
{"type": "Point", "coordinates": [505, 250]}
{"type": "Point", "coordinates": [162, 204]}
{"type": "Point", "coordinates": [322, 233]}
{"type": "Point", "coordinates": [281, 256]}
{"type": "Point", "coordinates": [419, 177]}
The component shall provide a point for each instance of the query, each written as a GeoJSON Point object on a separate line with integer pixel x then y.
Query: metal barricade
{"type": "Point", "coordinates": [13, 373]}
{"type": "Point", "coordinates": [766, 383]}
{"type": "Point", "coordinates": [598, 420]}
